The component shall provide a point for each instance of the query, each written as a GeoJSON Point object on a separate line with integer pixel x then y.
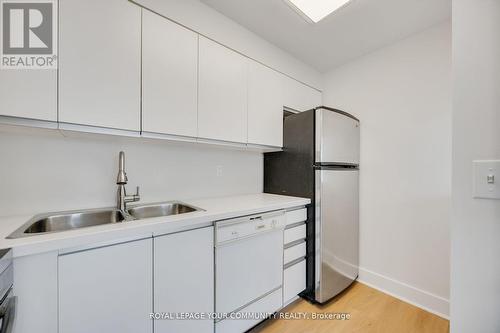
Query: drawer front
{"type": "Point", "coordinates": [295, 216]}
{"type": "Point", "coordinates": [294, 252]}
{"type": "Point", "coordinates": [294, 281]}
{"type": "Point", "coordinates": [294, 234]}
{"type": "Point", "coordinates": [267, 304]}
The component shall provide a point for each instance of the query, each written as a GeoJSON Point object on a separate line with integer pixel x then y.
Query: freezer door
{"type": "Point", "coordinates": [337, 231]}
{"type": "Point", "coordinates": [337, 138]}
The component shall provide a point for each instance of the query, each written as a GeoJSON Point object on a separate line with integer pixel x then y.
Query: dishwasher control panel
{"type": "Point", "coordinates": [248, 226]}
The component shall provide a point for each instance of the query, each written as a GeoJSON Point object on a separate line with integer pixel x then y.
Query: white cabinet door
{"type": "Point", "coordinates": [300, 97]}
{"type": "Point", "coordinates": [222, 104]}
{"type": "Point", "coordinates": [107, 289]}
{"type": "Point", "coordinates": [169, 77]}
{"type": "Point", "coordinates": [265, 106]}
{"type": "Point", "coordinates": [294, 281]}
{"type": "Point", "coordinates": [99, 63]}
{"type": "Point", "coordinates": [184, 279]}
{"type": "Point", "coordinates": [29, 94]}
{"type": "Point", "coordinates": [35, 286]}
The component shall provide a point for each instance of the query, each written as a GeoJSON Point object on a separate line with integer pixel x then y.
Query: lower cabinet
{"type": "Point", "coordinates": [294, 281]}
{"type": "Point", "coordinates": [294, 256]}
{"type": "Point", "coordinates": [107, 289]}
{"type": "Point", "coordinates": [184, 280]}
{"type": "Point", "coordinates": [118, 288]}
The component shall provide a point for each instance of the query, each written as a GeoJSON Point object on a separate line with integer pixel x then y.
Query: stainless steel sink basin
{"type": "Point", "coordinates": [55, 222]}
{"type": "Point", "coordinates": [161, 209]}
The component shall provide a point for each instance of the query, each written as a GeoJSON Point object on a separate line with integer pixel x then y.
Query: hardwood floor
{"type": "Point", "coordinates": [370, 311]}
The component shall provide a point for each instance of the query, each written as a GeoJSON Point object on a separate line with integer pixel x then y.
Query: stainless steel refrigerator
{"type": "Point", "coordinates": [320, 160]}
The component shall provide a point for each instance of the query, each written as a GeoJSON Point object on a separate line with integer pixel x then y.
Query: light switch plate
{"type": "Point", "coordinates": [487, 179]}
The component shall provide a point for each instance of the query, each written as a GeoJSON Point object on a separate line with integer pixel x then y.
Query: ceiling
{"type": "Point", "coordinates": [356, 29]}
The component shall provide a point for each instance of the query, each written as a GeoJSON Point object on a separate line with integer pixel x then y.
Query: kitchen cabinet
{"type": "Point", "coordinates": [99, 63]}
{"type": "Point", "coordinates": [222, 98]}
{"type": "Point", "coordinates": [300, 97]}
{"type": "Point", "coordinates": [35, 286]}
{"type": "Point", "coordinates": [295, 234]}
{"type": "Point", "coordinates": [294, 252]}
{"type": "Point", "coordinates": [169, 77]}
{"type": "Point", "coordinates": [107, 289]}
{"type": "Point", "coordinates": [265, 106]}
{"type": "Point", "coordinates": [294, 256]}
{"type": "Point", "coordinates": [30, 94]}
{"type": "Point", "coordinates": [294, 281]}
{"type": "Point", "coordinates": [184, 279]}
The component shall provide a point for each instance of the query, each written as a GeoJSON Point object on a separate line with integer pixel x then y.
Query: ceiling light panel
{"type": "Point", "coordinates": [316, 10]}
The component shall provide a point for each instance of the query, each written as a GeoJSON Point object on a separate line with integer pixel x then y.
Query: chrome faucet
{"type": "Point", "coordinates": [121, 181]}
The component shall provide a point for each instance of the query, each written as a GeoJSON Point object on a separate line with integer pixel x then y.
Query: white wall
{"type": "Point", "coordinates": [475, 278]}
{"type": "Point", "coordinates": [402, 95]}
{"type": "Point", "coordinates": [43, 171]}
{"type": "Point", "coordinates": [210, 23]}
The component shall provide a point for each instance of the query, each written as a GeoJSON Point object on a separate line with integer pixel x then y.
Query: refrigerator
{"type": "Point", "coordinates": [320, 161]}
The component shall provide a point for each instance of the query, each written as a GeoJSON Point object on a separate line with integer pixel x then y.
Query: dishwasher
{"type": "Point", "coordinates": [248, 270]}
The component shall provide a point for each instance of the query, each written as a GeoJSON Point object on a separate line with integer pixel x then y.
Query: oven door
{"type": "Point", "coordinates": [7, 313]}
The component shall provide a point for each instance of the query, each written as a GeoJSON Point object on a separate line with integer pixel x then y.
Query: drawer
{"type": "Point", "coordinates": [294, 281]}
{"type": "Point", "coordinates": [268, 304]}
{"type": "Point", "coordinates": [295, 216]}
{"type": "Point", "coordinates": [295, 233]}
{"type": "Point", "coordinates": [294, 252]}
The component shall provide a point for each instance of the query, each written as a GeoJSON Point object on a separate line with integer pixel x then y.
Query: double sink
{"type": "Point", "coordinates": [57, 222]}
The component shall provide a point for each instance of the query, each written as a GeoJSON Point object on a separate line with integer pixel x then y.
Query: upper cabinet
{"type": "Point", "coordinates": [222, 95]}
{"type": "Point", "coordinates": [126, 70]}
{"type": "Point", "coordinates": [100, 65]}
{"type": "Point", "coordinates": [265, 105]}
{"type": "Point", "coordinates": [300, 97]}
{"type": "Point", "coordinates": [29, 94]}
{"type": "Point", "coordinates": [169, 77]}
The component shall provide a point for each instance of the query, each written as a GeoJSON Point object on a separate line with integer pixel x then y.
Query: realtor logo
{"type": "Point", "coordinates": [28, 34]}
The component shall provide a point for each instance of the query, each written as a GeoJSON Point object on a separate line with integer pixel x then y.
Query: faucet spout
{"type": "Point", "coordinates": [121, 180]}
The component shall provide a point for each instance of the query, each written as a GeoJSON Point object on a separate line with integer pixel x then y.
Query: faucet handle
{"type": "Point", "coordinates": [137, 195]}
{"type": "Point", "coordinates": [133, 197]}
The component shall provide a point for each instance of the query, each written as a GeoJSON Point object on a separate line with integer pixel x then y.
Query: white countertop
{"type": "Point", "coordinates": [214, 209]}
